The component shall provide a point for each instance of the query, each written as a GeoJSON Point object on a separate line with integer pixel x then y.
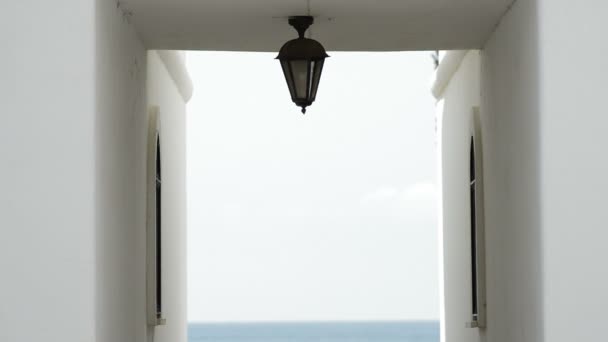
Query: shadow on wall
{"type": "Point", "coordinates": [510, 92]}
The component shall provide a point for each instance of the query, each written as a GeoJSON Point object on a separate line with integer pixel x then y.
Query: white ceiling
{"type": "Point", "coordinates": [340, 25]}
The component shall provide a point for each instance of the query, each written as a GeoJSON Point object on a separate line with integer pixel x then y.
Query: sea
{"type": "Point", "coordinates": [408, 331]}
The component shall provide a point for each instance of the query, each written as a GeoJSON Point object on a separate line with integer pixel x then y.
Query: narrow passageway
{"type": "Point", "coordinates": [88, 86]}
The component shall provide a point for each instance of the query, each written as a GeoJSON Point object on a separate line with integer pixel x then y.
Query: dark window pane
{"type": "Point", "coordinates": [473, 231]}
{"type": "Point", "coordinates": [158, 231]}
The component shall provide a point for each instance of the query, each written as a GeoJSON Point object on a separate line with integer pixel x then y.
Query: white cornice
{"type": "Point", "coordinates": [447, 67]}
{"type": "Point", "coordinates": [174, 62]}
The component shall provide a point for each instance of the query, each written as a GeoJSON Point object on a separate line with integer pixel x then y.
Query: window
{"type": "Point", "coordinates": [154, 225]}
{"type": "Point", "coordinates": [473, 197]}
{"type": "Point", "coordinates": [159, 307]}
{"type": "Point", "coordinates": [477, 236]}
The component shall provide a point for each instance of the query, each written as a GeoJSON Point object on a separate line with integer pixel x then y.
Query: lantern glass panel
{"type": "Point", "coordinates": [316, 77]}
{"type": "Point", "coordinates": [300, 77]}
{"type": "Point", "coordinates": [288, 77]}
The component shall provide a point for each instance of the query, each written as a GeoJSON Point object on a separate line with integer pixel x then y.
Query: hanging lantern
{"type": "Point", "coordinates": [302, 62]}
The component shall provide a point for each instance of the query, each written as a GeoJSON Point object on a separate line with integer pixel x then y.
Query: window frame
{"type": "Point", "coordinates": [154, 226]}
{"type": "Point", "coordinates": [477, 228]}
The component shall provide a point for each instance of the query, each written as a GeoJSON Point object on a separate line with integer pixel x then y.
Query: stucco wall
{"type": "Point", "coordinates": [130, 80]}
{"type": "Point", "coordinates": [163, 93]}
{"type": "Point", "coordinates": [510, 120]}
{"type": "Point", "coordinates": [72, 206]}
{"type": "Point", "coordinates": [574, 168]}
{"type": "Point", "coordinates": [511, 83]}
{"type": "Point", "coordinates": [546, 157]}
{"type": "Point", "coordinates": [454, 118]}
{"type": "Point", "coordinates": [47, 146]}
{"type": "Point", "coordinates": [120, 135]}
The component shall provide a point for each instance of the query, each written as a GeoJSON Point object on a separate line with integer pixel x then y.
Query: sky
{"type": "Point", "coordinates": [325, 216]}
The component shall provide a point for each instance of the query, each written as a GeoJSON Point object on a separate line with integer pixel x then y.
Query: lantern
{"type": "Point", "coordinates": [302, 62]}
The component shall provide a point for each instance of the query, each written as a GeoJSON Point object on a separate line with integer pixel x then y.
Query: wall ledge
{"type": "Point", "coordinates": [447, 67]}
{"type": "Point", "coordinates": [176, 67]}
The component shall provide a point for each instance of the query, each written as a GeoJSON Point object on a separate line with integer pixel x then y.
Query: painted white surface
{"type": "Point", "coordinates": [175, 63]}
{"type": "Point", "coordinates": [130, 81]}
{"type": "Point", "coordinates": [511, 83]}
{"type": "Point", "coordinates": [381, 25]}
{"type": "Point", "coordinates": [574, 168]}
{"type": "Point", "coordinates": [120, 133]}
{"type": "Point", "coordinates": [47, 204]}
{"type": "Point", "coordinates": [449, 62]}
{"type": "Point", "coordinates": [510, 133]}
{"type": "Point", "coordinates": [163, 93]}
{"type": "Point", "coordinates": [454, 119]}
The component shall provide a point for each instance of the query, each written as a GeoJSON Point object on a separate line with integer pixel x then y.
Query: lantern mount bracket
{"type": "Point", "coordinates": [301, 23]}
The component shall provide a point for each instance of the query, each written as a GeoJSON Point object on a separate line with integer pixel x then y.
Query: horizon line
{"type": "Point", "coordinates": [317, 321]}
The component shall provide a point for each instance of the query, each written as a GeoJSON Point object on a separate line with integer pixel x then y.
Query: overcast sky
{"type": "Point", "coordinates": [323, 216]}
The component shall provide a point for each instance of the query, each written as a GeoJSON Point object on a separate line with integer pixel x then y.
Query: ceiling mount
{"type": "Point", "coordinates": [301, 23]}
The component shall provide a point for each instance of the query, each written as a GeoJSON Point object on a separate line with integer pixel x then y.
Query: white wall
{"type": "Point", "coordinates": [120, 133]}
{"type": "Point", "coordinates": [574, 168]}
{"type": "Point", "coordinates": [72, 206]}
{"type": "Point", "coordinates": [47, 146]}
{"type": "Point", "coordinates": [543, 121]}
{"type": "Point", "coordinates": [164, 93]}
{"type": "Point", "coordinates": [454, 119]}
{"type": "Point", "coordinates": [511, 128]}
{"type": "Point", "coordinates": [130, 81]}
{"type": "Point", "coordinates": [543, 82]}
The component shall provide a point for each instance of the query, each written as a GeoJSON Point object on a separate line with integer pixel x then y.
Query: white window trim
{"type": "Point", "coordinates": [154, 318]}
{"type": "Point", "coordinates": [475, 133]}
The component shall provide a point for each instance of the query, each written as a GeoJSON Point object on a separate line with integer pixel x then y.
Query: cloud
{"type": "Point", "coordinates": [421, 191]}
{"type": "Point", "coordinates": [414, 193]}
{"type": "Point", "coordinates": [380, 194]}
{"type": "Point", "coordinates": [413, 206]}
{"type": "Point", "coordinates": [418, 202]}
